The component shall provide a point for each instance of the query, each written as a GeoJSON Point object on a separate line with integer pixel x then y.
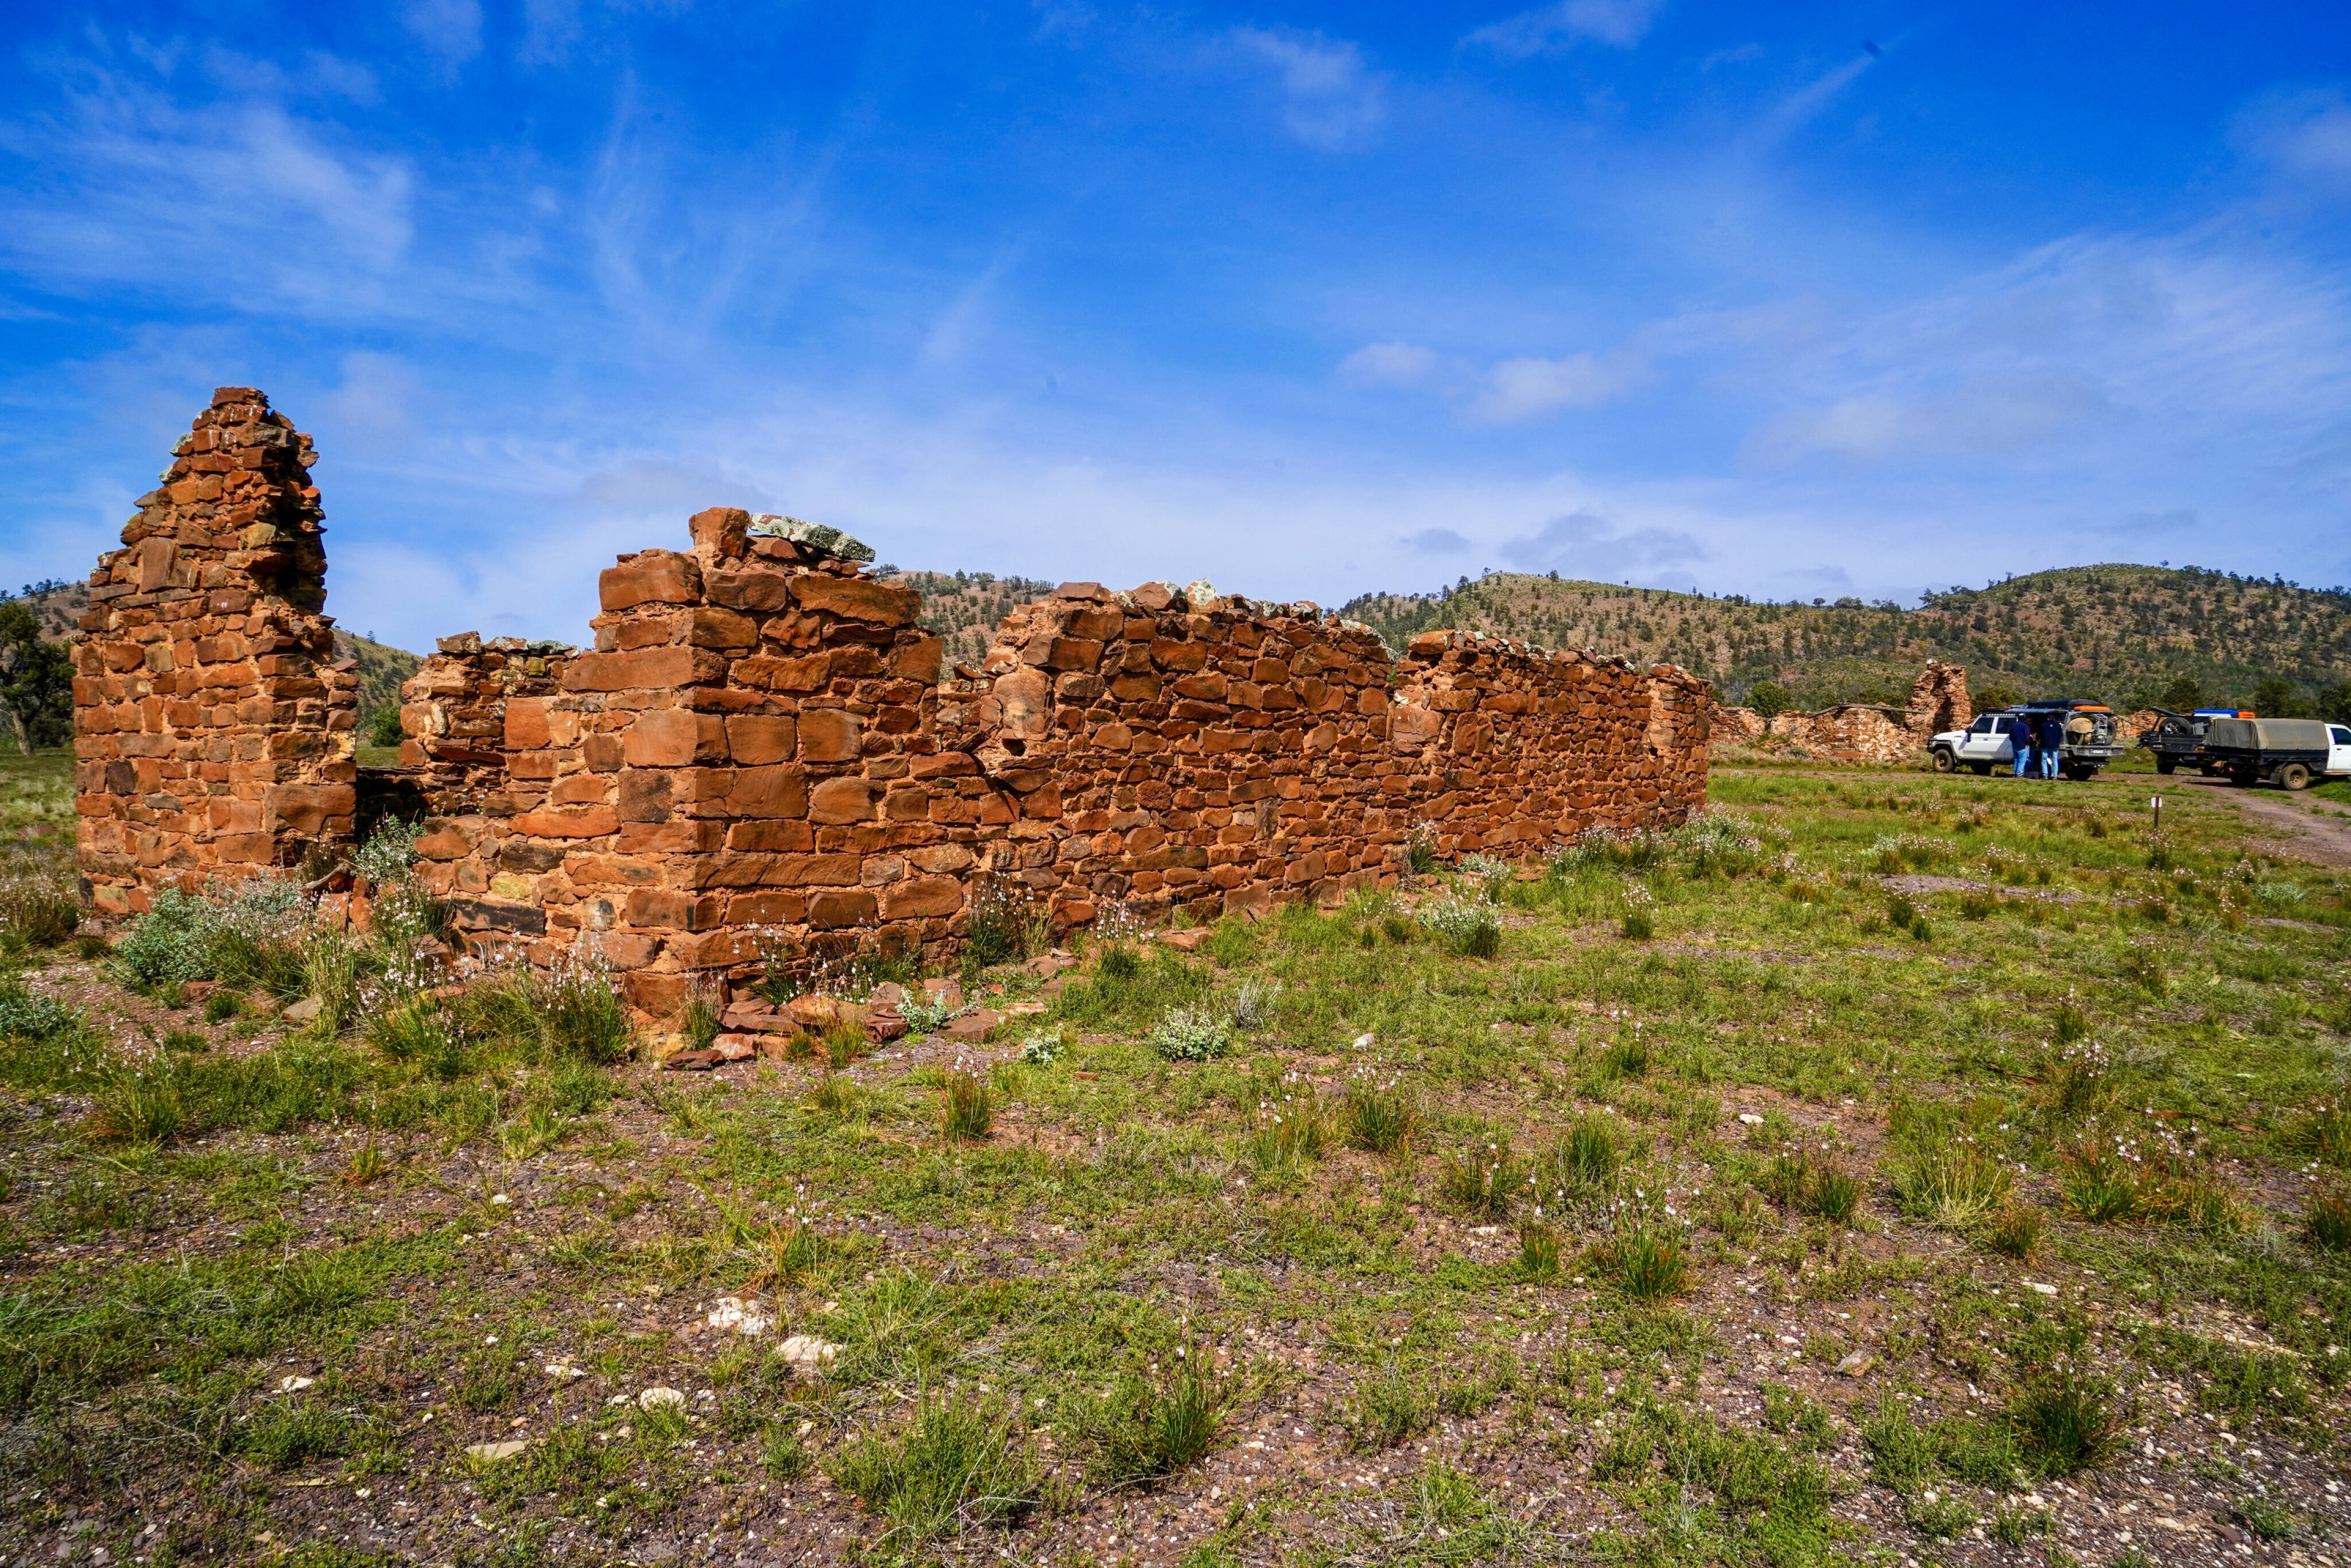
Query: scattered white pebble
{"type": "Point", "coordinates": [660, 1399]}
{"type": "Point", "coordinates": [292, 1385]}
{"type": "Point", "coordinates": [733, 1313]}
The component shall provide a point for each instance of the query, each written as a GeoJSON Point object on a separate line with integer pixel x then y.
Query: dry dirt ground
{"type": "Point", "coordinates": [1676, 1261]}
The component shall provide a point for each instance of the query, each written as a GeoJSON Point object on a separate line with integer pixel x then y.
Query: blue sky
{"type": "Point", "coordinates": [1307, 301]}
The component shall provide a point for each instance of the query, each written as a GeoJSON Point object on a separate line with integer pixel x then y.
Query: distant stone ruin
{"type": "Point", "coordinates": [761, 752]}
{"type": "Point", "coordinates": [1860, 732]}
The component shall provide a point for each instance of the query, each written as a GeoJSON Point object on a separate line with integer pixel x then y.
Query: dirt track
{"type": "Point", "coordinates": [2309, 829]}
{"type": "Point", "coordinates": [2313, 829]}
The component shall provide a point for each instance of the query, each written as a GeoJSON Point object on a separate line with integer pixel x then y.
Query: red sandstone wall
{"type": "Point", "coordinates": [213, 726]}
{"type": "Point", "coordinates": [759, 751]}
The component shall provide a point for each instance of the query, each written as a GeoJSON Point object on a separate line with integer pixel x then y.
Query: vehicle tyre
{"type": "Point", "coordinates": [2165, 764]}
{"type": "Point", "coordinates": [2210, 770]}
{"type": "Point", "coordinates": [1944, 761]}
{"type": "Point", "coordinates": [2293, 776]}
{"type": "Point", "coordinates": [1982, 769]}
{"type": "Point", "coordinates": [2081, 775]}
{"type": "Point", "coordinates": [2241, 779]}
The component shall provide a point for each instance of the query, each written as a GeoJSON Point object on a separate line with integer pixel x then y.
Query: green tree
{"type": "Point", "coordinates": [2275, 697]}
{"type": "Point", "coordinates": [2182, 696]}
{"type": "Point", "coordinates": [1994, 698]}
{"type": "Point", "coordinates": [2334, 702]}
{"type": "Point", "coordinates": [1768, 697]}
{"type": "Point", "coordinates": [36, 681]}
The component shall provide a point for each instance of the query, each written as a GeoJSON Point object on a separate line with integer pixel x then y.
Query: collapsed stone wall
{"type": "Point", "coordinates": [760, 757]}
{"type": "Point", "coordinates": [212, 723]}
{"type": "Point", "coordinates": [757, 757]}
{"type": "Point", "coordinates": [1859, 731]}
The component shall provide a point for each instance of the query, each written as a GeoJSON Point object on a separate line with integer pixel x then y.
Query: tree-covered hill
{"type": "Point", "coordinates": [2128, 634]}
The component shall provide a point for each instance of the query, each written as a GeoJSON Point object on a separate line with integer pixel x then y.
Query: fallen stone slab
{"type": "Point", "coordinates": [690, 1062]}
{"type": "Point", "coordinates": [491, 1453]}
{"type": "Point", "coordinates": [973, 1025]}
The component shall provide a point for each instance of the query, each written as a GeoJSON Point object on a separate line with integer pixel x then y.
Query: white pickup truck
{"type": "Point", "coordinates": [1989, 742]}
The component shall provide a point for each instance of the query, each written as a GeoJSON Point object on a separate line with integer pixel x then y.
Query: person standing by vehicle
{"type": "Point", "coordinates": [2021, 736]}
{"type": "Point", "coordinates": [2052, 743]}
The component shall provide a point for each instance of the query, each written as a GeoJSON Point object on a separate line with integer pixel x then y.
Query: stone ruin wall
{"type": "Point", "coordinates": [213, 724]}
{"type": "Point", "coordinates": [1860, 732]}
{"type": "Point", "coordinates": [759, 752]}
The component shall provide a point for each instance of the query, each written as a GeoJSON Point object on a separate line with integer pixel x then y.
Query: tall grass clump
{"type": "Point", "coordinates": [2326, 1223]}
{"type": "Point", "coordinates": [1952, 1183]}
{"type": "Point", "coordinates": [1380, 1117]}
{"type": "Point", "coordinates": [956, 1464]}
{"type": "Point", "coordinates": [1007, 922]}
{"type": "Point", "coordinates": [698, 1019]}
{"type": "Point", "coordinates": [1158, 1422]}
{"type": "Point", "coordinates": [968, 1108]}
{"type": "Point", "coordinates": [2078, 1079]}
{"type": "Point", "coordinates": [2066, 1421]}
{"type": "Point", "coordinates": [583, 1017]}
{"type": "Point", "coordinates": [139, 1108]}
{"type": "Point", "coordinates": [1649, 1261]}
{"type": "Point", "coordinates": [38, 909]}
{"type": "Point", "coordinates": [1287, 1134]}
{"type": "Point", "coordinates": [1483, 1177]}
{"type": "Point", "coordinates": [2112, 1178]}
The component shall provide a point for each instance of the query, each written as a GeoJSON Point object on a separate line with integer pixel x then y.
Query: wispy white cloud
{"type": "Point", "coordinates": [450, 30]}
{"type": "Point", "coordinates": [203, 202]}
{"type": "Point", "coordinates": [1506, 392]}
{"type": "Point", "coordinates": [1548, 29]}
{"type": "Point", "coordinates": [2085, 345]}
{"type": "Point", "coordinates": [1587, 545]}
{"type": "Point", "coordinates": [1435, 541]}
{"type": "Point", "coordinates": [1521, 389]}
{"type": "Point", "coordinates": [1332, 98]}
{"type": "Point", "coordinates": [1392, 365]}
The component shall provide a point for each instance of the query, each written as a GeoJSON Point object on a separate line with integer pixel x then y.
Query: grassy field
{"type": "Point", "coordinates": [1892, 1169]}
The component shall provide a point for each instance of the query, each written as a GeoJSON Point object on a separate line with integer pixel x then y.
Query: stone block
{"type": "Point", "coordinates": [756, 738]}
{"type": "Point", "coordinates": [832, 908]}
{"type": "Point", "coordinates": [751, 589]}
{"type": "Point", "coordinates": [672, 737]}
{"type": "Point", "coordinates": [651, 668]}
{"type": "Point", "coordinates": [830, 734]}
{"type": "Point", "coordinates": [654, 577]}
{"type": "Point", "coordinates": [568, 822]}
{"type": "Point", "coordinates": [837, 800]}
{"type": "Point", "coordinates": [857, 599]}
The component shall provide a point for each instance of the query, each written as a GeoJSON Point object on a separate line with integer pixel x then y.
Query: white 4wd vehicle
{"type": "Point", "coordinates": [1989, 742]}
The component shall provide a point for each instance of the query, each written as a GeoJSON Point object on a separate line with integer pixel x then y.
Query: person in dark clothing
{"type": "Point", "coordinates": [2020, 740]}
{"type": "Point", "coordinates": [2052, 743]}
